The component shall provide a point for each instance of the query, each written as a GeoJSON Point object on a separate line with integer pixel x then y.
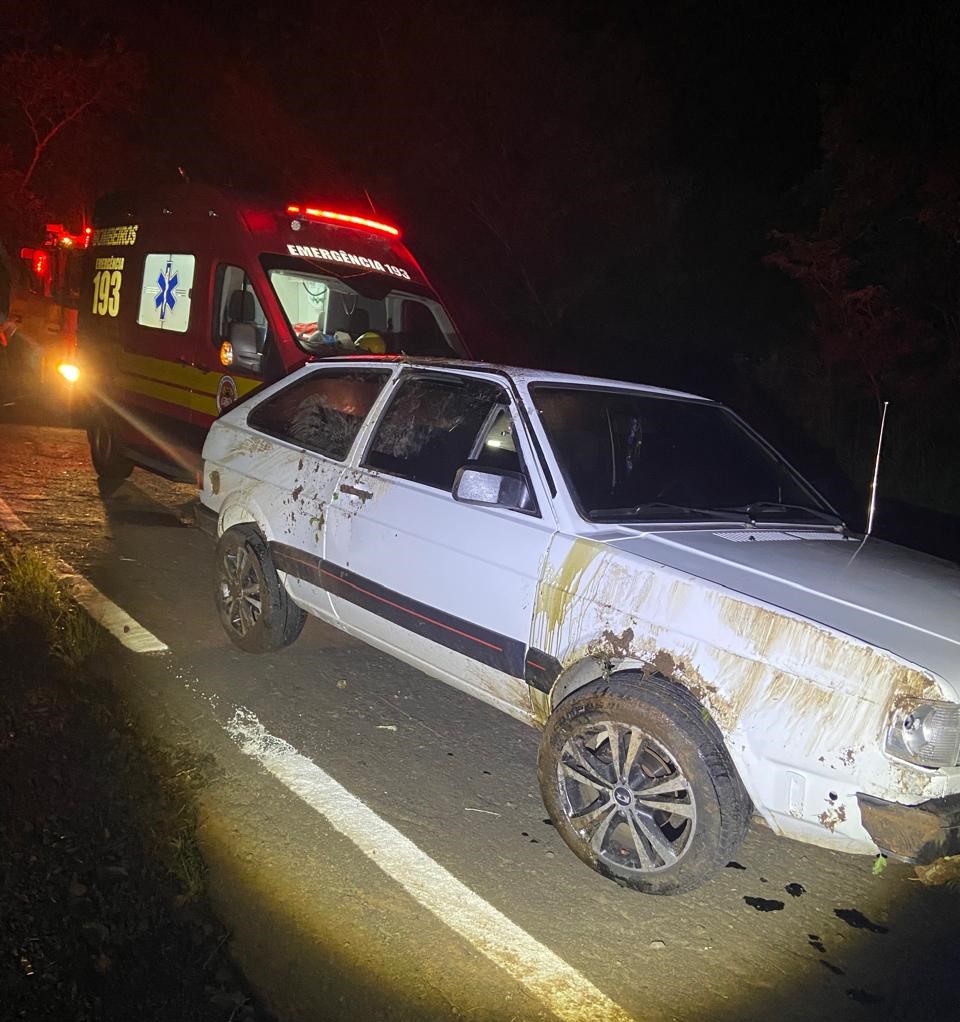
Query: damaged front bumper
{"type": "Point", "coordinates": [918, 834]}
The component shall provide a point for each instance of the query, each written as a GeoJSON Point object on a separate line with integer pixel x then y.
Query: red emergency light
{"type": "Point", "coordinates": [39, 260]}
{"type": "Point", "coordinates": [344, 218]}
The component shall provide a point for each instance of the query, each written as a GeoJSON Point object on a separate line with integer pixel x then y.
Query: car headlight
{"type": "Point", "coordinates": [926, 733]}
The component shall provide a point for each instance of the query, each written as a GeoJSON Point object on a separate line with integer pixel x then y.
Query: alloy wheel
{"type": "Point", "coordinates": [626, 797]}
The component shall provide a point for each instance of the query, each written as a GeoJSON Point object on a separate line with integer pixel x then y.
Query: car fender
{"type": "Point", "coordinates": [802, 708]}
{"type": "Point", "coordinates": [241, 508]}
{"type": "Point", "coordinates": [593, 668]}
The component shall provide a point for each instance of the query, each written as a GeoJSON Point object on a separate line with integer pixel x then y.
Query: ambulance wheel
{"type": "Point", "coordinates": [255, 609]}
{"type": "Point", "coordinates": [106, 451]}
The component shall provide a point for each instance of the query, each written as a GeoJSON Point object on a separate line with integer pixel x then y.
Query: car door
{"type": "Point", "coordinates": [446, 585]}
{"type": "Point", "coordinates": [306, 431]}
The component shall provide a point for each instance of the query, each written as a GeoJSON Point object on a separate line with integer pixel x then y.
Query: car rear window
{"type": "Point", "coordinates": [322, 411]}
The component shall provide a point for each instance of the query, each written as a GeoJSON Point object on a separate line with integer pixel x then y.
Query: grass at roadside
{"type": "Point", "coordinates": [102, 910]}
{"type": "Point", "coordinates": [37, 616]}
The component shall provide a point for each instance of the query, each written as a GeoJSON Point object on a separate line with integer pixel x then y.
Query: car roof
{"type": "Point", "coordinates": [518, 374]}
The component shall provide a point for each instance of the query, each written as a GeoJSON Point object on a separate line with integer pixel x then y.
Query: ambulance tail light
{"type": "Point", "coordinates": [343, 218]}
{"type": "Point", "coordinates": [39, 260]}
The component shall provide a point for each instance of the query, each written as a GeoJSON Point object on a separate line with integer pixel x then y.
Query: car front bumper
{"type": "Point", "coordinates": [918, 834]}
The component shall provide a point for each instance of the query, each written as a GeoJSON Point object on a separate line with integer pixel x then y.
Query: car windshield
{"type": "Point", "coordinates": [364, 314]}
{"type": "Point", "coordinates": [630, 456]}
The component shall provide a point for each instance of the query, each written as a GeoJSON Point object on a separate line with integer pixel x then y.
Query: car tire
{"type": "Point", "coordinates": [106, 450]}
{"type": "Point", "coordinates": [608, 813]}
{"type": "Point", "coordinates": [255, 609]}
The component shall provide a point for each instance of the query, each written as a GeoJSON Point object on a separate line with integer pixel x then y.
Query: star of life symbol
{"type": "Point", "coordinates": [167, 281]}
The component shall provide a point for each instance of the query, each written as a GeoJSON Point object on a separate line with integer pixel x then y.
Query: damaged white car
{"type": "Point", "coordinates": [631, 569]}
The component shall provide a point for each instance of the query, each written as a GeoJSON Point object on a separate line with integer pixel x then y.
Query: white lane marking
{"type": "Point", "coordinates": [105, 612]}
{"type": "Point", "coordinates": [108, 615]}
{"type": "Point", "coordinates": [564, 991]}
{"type": "Point", "coordinates": [9, 522]}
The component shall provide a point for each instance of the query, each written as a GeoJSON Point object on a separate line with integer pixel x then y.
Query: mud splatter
{"type": "Point", "coordinates": [795, 890]}
{"type": "Point", "coordinates": [764, 904]}
{"type": "Point", "coordinates": [858, 920]}
{"type": "Point", "coordinates": [296, 493]}
{"type": "Point", "coordinates": [864, 997]}
{"type": "Point", "coordinates": [734, 865]}
{"type": "Point", "coordinates": [835, 969]}
{"type": "Point", "coordinates": [816, 943]}
{"type": "Point", "coordinates": [830, 818]}
{"type": "Point", "coordinates": [612, 646]}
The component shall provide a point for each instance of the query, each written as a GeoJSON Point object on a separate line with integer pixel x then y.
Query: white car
{"type": "Point", "coordinates": [631, 569]}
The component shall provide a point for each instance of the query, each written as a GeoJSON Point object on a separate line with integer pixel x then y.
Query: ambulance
{"type": "Point", "coordinates": [195, 297]}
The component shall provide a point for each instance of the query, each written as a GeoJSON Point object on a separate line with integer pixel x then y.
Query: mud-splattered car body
{"type": "Point", "coordinates": [830, 666]}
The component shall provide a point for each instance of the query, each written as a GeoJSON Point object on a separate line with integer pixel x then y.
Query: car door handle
{"type": "Point", "coordinates": [355, 491]}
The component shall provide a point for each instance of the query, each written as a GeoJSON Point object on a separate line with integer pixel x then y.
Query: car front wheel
{"type": "Point", "coordinates": [255, 610]}
{"type": "Point", "coordinates": [639, 784]}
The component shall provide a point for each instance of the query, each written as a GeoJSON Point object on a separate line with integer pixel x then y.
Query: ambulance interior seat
{"type": "Point", "coordinates": [241, 308]}
{"type": "Point", "coordinates": [359, 322]}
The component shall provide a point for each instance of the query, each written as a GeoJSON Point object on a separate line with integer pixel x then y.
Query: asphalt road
{"type": "Point", "coordinates": [329, 919]}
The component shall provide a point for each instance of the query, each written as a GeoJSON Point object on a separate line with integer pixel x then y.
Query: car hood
{"type": "Point", "coordinates": [896, 599]}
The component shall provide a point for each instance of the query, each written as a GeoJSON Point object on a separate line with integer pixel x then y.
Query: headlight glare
{"type": "Point", "coordinates": [927, 733]}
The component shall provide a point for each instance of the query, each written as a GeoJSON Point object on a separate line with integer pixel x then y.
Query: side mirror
{"type": "Point", "coordinates": [243, 339]}
{"type": "Point", "coordinates": [492, 487]}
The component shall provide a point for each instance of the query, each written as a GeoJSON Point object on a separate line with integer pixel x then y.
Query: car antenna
{"type": "Point", "coordinates": [872, 506]}
{"type": "Point", "coordinates": [373, 209]}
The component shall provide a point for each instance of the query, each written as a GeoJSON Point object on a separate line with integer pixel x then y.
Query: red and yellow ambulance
{"type": "Point", "coordinates": [192, 299]}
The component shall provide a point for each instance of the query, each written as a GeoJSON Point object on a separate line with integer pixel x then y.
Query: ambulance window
{"type": "Point", "coordinates": [235, 301]}
{"type": "Point", "coordinates": [419, 330]}
{"type": "Point", "coordinates": [166, 291]}
{"type": "Point", "coordinates": [306, 302]}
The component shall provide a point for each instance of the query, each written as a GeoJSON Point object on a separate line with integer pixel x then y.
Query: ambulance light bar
{"type": "Point", "coordinates": [344, 218]}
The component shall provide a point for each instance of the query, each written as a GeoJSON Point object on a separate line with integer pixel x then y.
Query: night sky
{"type": "Point", "coordinates": [755, 201]}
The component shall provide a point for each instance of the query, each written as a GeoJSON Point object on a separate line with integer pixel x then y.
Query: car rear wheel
{"type": "Point", "coordinates": [639, 784]}
{"type": "Point", "coordinates": [106, 450]}
{"type": "Point", "coordinates": [255, 610]}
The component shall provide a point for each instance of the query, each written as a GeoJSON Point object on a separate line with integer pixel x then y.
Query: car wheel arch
{"type": "Point", "coordinates": [588, 670]}
{"type": "Point", "coordinates": [237, 512]}
{"type": "Point", "coordinates": [583, 672]}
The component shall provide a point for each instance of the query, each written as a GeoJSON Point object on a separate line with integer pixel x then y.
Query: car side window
{"type": "Point", "coordinates": [436, 424]}
{"type": "Point", "coordinates": [323, 411]}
